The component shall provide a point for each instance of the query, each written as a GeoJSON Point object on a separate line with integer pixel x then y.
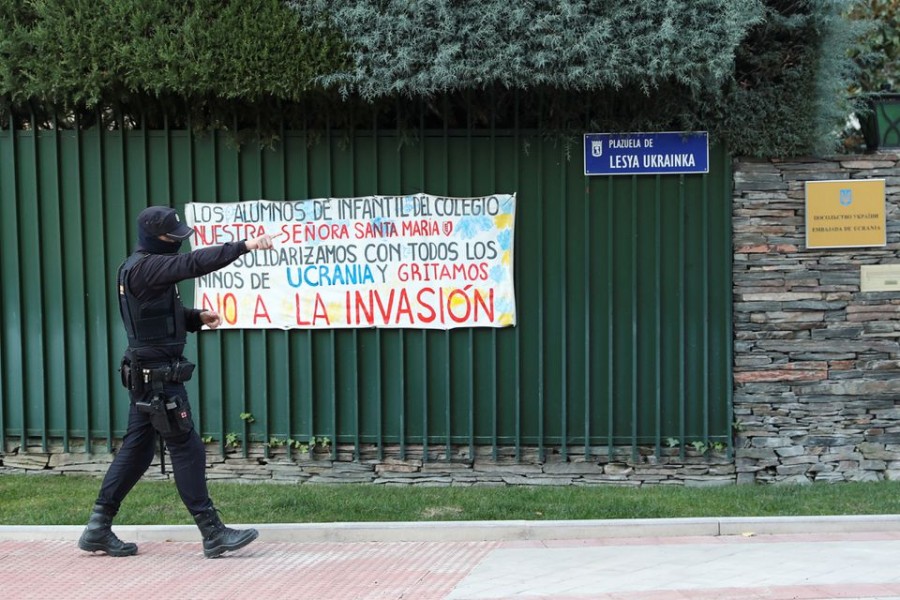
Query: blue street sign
{"type": "Point", "coordinates": [646, 153]}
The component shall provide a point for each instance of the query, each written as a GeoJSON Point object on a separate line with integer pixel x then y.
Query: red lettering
{"type": "Point", "coordinates": [463, 299]}
{"type": "Point", "coordinates": [428, 305]}
{"type": "Point", "coordinates": [403, 307]}
{"type": "Point", "coordinates": [202, 237]}
{"type": "Point", "coordinates": [209, 235]}
{"type": "Point", "coordinates": [206, 303]}
{"type": "Point", "coordinates": [431, 315]}
{"type": "Point", "coordinates": [420, 228]}
{"type": "Point", "coordinates": [325, 231]}
{"type": "Point", "coordinates": [260, 311]}
{"type": "Point", "coordinates": [299, 320]}
{"type": "Point", "coordinates": [226, 305]}
{"type": "Point", "coordinates": [359, 303]}
{"type": "Point", "coordinates": [320, 311]}
{"type": "Point", "coordinates": [292, 234]}
{"type": "Point", "coordinates": [487, 306]}
{"type": "Point", "coordinates": [385, 312]}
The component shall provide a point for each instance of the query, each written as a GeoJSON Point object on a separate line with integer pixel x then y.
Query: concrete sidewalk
{"type": "Point", "coordinates": [728, 558]}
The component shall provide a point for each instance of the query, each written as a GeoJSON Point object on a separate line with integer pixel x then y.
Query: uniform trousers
{"type": "Point", "coordinates": [186, 449]}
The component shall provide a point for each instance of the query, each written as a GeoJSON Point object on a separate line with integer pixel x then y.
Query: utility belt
{"type": "Point", "coordinates": [140, 378]}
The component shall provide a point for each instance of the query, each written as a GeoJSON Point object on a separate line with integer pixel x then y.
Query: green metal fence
{"type": "Point", "coordinates": [623, 289]}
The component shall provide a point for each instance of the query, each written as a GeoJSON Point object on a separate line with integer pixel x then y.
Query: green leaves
{"type": "Point", "coordinates": [417, 49]}
{"type": "Point", "coordinates": [87, 52]}
{"type": "Point", "coordinates": [767, 77]}
{"type": "Point", "coordinates": [877, 51]}
{"type": "Point", "coordinates": [789, 92]}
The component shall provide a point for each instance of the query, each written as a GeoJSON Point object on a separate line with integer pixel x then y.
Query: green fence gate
{"type": "Point", "coordinates": [623, 290]}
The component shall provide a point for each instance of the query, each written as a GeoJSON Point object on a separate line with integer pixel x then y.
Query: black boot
{"type": "Point", "coordinates": [98, 536]}
{"type": "Point", "coordinates": [217, 538]}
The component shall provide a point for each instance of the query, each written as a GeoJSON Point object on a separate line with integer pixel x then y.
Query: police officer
{"type": "Point", "coordinates": [154, 371]}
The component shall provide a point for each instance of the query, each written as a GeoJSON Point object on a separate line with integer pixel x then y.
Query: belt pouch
{"type": "Point", "coordinates": [125, 374]}
{"type": "Point", "coordinates": [180, 415]}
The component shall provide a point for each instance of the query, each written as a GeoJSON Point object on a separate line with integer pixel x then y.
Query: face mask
{"type": "Point", "coordinates": [152, 244]}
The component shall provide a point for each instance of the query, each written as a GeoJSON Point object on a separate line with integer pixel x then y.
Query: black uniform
{"type": "Point", "coordinates": [156, 323]}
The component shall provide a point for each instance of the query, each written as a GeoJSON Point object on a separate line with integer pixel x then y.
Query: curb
{"type": "Point", "coordinates": [484, 531]}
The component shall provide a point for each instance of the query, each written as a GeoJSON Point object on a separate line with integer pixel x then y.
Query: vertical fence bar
{"type": "Point", "coordinates": [263, 334]}
{"type": "Point", "coordinates": [563, 311]}
{"type": "Point", "coordinates": [116, 236]}
{"type": "Point", "coordinates": [379, 359]}
{"type": "Point", "coordinates": [217, 194]}
{"type": "Point", "coordinates": [705, 270]}
{"type": "Point", "coordinates": [34, 296]}
{"type": "Point", "coordinates": [112, 206]}
{"type": "Point", "coordinates": [682, 408]}
{"type": "Point", "coordinates": [354, 334]}
{"type": "Point", "coordinates": [493, 367]}
{"type": "Point", "coordinates": [635, 315]}
{"type": "Point", "coordinates": [448, 353]}
{"type": "Point", "coordinates": [404, 374]}
{"type": "Point", "coordinates": [197, 406]}
{"type": "Point", "coordinates": [242, 336]}
{"type": "Point", "coordinates": [610, 319]}
{"type": "Point", "coordinates": [657, 315]}
{"type": "Point", "coordinates": [86, 406]}
{"type": "Point", "coordinates": [471, 331]}
{"type": "Point", "coordinates": [52, 293]}
{"type": "Point", "coordinates": [540, 280]}
{"type": "Point", "coordinates": [8, 269]}
{"type": "Point", "coordinates": [310, 388]}
{"type": "Point", "coordinates": [517, 267]}
{"type": "Point", "coordinates": [55, 309]}
{"type": "Point", "coordinates": [41, 258]}
{"type": "Point", "coordinates": [285, 336]}
{"type": "Point", "coordinates": [353, 372]}
{"type": "Point", "coordinates": [286, 361]}
{"type": "Point", "coordinates": [100, 319]}
{"type": "Point", "coordinates": [12, 288]}
{"type": "Point", "coordinates": [355, 392]}
{"type": "Point", "coordinates": [308, 333]}
{"type": "Point", "coordinates": [77, 286]}
{"type": "Point", "coordinates": [403, 378]}
{"type": "Point", "coordinates": [401, 340]}
{"type": "Point", "coordinates": [425, 450]}
{"type": "Point", "coordinates": [424, 333]}
{"type": "Point", "coordinates": [167, 163]}
{"type": "Point", "coordinates": [6, 166]}
{"type": "Point", "coordinates": [332, 335]}
{"type": "Point", "coordinates": [586, 275]}
{"type": "Point", "coordinates": [726, 229]}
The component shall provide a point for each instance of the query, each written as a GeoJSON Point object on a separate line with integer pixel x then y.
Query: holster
{"type": "Point", "coordinates": [168, 415]}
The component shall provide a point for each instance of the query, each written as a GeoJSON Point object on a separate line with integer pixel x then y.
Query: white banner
{"type": "Point", "coordinates": [417, 261]}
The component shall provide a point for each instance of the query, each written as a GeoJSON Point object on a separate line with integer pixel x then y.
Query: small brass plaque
{"type": "Point", "coordinates": [845, 213]}
{"type": "Point", "coordinates": [879, 278]}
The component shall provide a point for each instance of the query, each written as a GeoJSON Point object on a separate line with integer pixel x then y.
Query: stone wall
{"type": "Point", "coordinates": [817, 361]}
{"type": "Point", "coordinates": [387, 467]}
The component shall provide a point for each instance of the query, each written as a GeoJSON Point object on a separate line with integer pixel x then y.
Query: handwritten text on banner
{"type": "Point", "coordinates": [416, 261]}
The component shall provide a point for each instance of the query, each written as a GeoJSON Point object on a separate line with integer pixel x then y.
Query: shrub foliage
{"type": "Point", "coordinates": [768, 77]}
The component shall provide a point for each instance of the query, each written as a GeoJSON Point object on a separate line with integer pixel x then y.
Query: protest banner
{"type": "Point", "coordinates": [417, 261]}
